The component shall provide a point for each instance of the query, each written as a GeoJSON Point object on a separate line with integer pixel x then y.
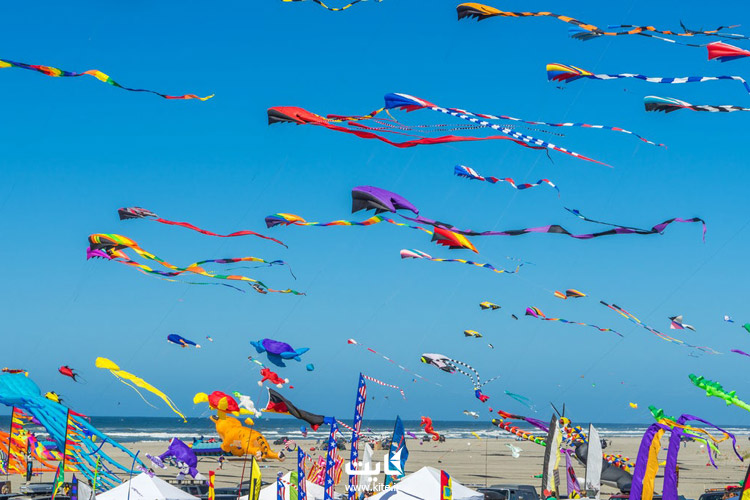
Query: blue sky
{"type": "Point", "coordinates": [74, 150]}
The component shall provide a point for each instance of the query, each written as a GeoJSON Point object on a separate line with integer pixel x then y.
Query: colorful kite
{"type": "Point", "coordinates": [438, 361]}
{"type": "Point", "coordinates": [746, 326]}
{"type": "Point", "coordinates": [450, 365]}
{"type": "Point", "coordinates": [373, 351]}
{"type": "Point", "coordinates": [740, 352]}
{"type": "Point", "coordinates": [132, 381]}
{"type": "Point", "coordinates": [677, 324]}
{"type": "Point", "coordinates": [50, 71]}
{"type": "Point", "coordinates": [279, 404]}
{"type": "Point", "coordinates": [584, 31]}
{"type": "Point", "coordinates": [521, 399]}
{"type": "Point", "coordinates": [113, 246]}
{"type": "Point", "coordinates": [724, 52]}
{"type": "Point", "coordinates": [625, 314]}
{"type": "Point", "coordinates": [68, 372]}
{"type": "Point", "coordinates": [272, 377]}
{"type": "Point", "coordinates": [141, 213]}
{"type": "Point", "coordinates": [14, 371]}
{"type": "Point", "coordinates": [419, 254]}
{"type": "Point", "coordinates": [633, 405]}
{"type": "Point", "coordinates": [569, 293]}
{"type": "Point", "coordinates": [472, 333]}
{"type": "Point", "coordinates": [669, 104]}
{"type": "Point", "coordinates": [561, 73]}
{"type": "Point", "coordinates": [334, 9]}
{"type": "Point", "coordinates": [489, 305]}
{"type": "Point", "coordinates": [452, 240]}
{"type": "Point", "coordinates": [715, 389]}
{"type": "Point", "coordinates": [278, 351]}
{"type": "Point", "coordinates": [429, 429]}
{"type": "Point", "coordinates": [245, 402]}
{"type": "Point", "coordinates": [470, 173]}
{"type": "Point", "coordinates": [349, 125]}
{"type": "Point", "coordinates": [537, 313]}
{"type": "Point", "coordinates": [181, 341]}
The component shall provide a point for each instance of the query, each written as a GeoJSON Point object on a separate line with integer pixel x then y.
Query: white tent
{"type": "Point", "coordinates": [146, 487]}
{"type": "Point", "coordinates": [425, 485]}
{"type": "Point", "coordinates": [314, 491]}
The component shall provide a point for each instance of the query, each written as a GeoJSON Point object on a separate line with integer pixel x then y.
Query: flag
{"type": "Point", "coordinates": [74, 488]}
{"type": "Point", "coordinates": [279, 404]}
{"type": "Point", "coordinates": [359, 410]}
{"type": "Point", "coordinates": [211, 488]}
{"type": "Point", "coordinates": [593, 464]}
{"type": "Point", "coordinates": [301, 480]}
{"type": "Point", "coordinates": [96, 474]}
{"type": "Point", "coordinates": [446, 486]}
{"type": "Point", "coordinates": [254, 481]}
{"type": "Point", "coordinates": [57, 483]}
{"type": "Point", "coordinates": [574, 491]}
{"type": "Point", "coordinates": [397, 455]}
{"type": "Point", "coordinates": [330, 462]}
{"type": "Point", "coordinates": [293, 486]}
{"type": "Point", "coordinates": [17, 442]}
{"type": "Point", "coordinates": [280, 490]}
{"type": "Point", "coordinates": [746, 486]}
{"type": "Point", "coordinates": [550, 478]}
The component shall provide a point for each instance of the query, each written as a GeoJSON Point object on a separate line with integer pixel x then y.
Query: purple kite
{"type": "Point", "coordinates": [182, 454]}
{"type": "Point", "coordinates": [278, 351]}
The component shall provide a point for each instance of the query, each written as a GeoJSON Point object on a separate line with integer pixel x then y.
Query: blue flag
{"type": "Point", "coordinates": [397, 455]}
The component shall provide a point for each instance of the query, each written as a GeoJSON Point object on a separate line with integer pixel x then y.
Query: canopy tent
{"type": "Point", "coordinates": [425, 484]}
{"type": "Point", "coordinates": [314, 491]}
{"type": "Point", "coordinates": [145, 487]}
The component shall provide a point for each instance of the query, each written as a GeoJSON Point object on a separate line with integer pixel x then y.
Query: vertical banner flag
{"type": "Point", "coordinates": [359, 410]}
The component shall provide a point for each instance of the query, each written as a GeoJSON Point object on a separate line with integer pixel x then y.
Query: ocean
{"type": "Point", "coordinates": [131, 429]}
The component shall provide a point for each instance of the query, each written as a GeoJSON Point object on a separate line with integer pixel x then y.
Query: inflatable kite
{"type": "Point", "coordinates": [724, 52]}
{"type": "Point", "coordinates": [182, 454]}
{"type": "Point", "coordinates": [54, 397]}
{"type": "Point", "coordinates": [438, 361]}
{"type": "Point", "coordinates": [351, 125]}
{"type": "Point", "coordinates": [272, 377]}
{"type": "Point", "coordinates": [669, 104]}
{"type": "Point", "coordinates": [279, 404]}
{"type": "Point", "coordinates": [334, 9]}
{"type": "Point", "coordinates": [173, 338]}
{"type": "Point", "coordinates": [470, 173]}
{"type": "Point", "coordinates": [570, 293]}
{"type": "Point", "coordinates": [429, 429]}
{"type": "Point", "coordinates": [489, 305]}
{"type": "Point", "coordinates": [450, 365]}
{"type": "Point", "coordinates": [222, 402]}
{"type": "Point", "coordinates": [584, 31]}
{"type": "Point", "coordinates": [68, 372]}
{"type": "Point", "coordinates": [419, 254]}
{"type": "Point", "coordinates": [472, 333]}
{"type": "Point", "coordinates": [50, 71]}
{"type": "Point", "coordinates": [278, 351]}
{"type": "Point", "coordinates": [715, 389]}
{"type": "Point", "coordinates": [133, 382]}
{"type": "Point", "coordinates": [535, 312]}
{"type": "Point", "coordinates": [245, 402]}
{"type": "Point", "coordinates": [240, 441]}
{"type": "Point", "coordinates": [728, 319]}
{"type": "Point", "coordinates": [128, 213]}
{"type": "Point", "coordinates": [83, 444]}
{"type": "Point", "coordinates": [14, 371]}
{"type": "Point", "coordinates": [561, 73]}
{"type": "Point", "coordinates": [471, 414]}
{"type": "Point", "coordinates": [113, 246]}
{"type": "Point", "coordinates": [677, 324]}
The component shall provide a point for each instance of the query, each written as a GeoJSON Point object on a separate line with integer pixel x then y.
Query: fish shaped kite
{"type": "Point", "coordinates": [562, 73]}
{"type": "Point", "coordinates": [334, 9]}
{"type": "Point", "coordinates": [472, 333]}
{"type": "Point", "coordinates": [68, 372]}
{"type": "Point", "coordinates": [677, 324]}
{"type": "Point", "coordinates": [134, 381]}
{"type": "Point", "coordinates": [419, 254]}
{"type": "Point", "coordinates": [535, 312]}
{"type": "Point", "coordinates": [569, 293]}
{"type": "Point", "coordinates": [737, 351]}
{"type": "Point", "coordinates": [129, 213]}
{"type": "Point", "coordinates": [393, 101]}
{"type": "Point", "coordinates": [669, 104]}
{"type": "Point", "coordinates": [181, 341]}
{"type": "Point", "coordinates": [278, 351]}
{"type": "Point", "coordinates": [724, 52]}
{"type": "Point", "coordinates": [489, 305]}
{"type": "Point", "coordinates": [113, 246]}
{"type": "Point", "coordinates": [584, 31]}
{"type": "Point", "coordinates": [470, 173]}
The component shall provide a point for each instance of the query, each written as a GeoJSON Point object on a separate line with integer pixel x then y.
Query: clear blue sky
{"type": "Point", "coordinates": [74, 150]}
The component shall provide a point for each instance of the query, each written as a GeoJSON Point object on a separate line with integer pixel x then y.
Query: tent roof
{"type": "Point", "coordinates": [146, 487]}
{"type": "Point", "coordinates": [425, 484]}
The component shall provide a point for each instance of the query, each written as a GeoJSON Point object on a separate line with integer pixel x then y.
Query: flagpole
{"type": "Point", "coordinates": [130, 479]}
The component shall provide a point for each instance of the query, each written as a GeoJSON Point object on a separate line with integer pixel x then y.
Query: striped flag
{"type": "Point", "coordinates": [211, 487]}
{"type": "Point", "coordinates": [301, 479]}
{"type": "Point", "coordinates": [446, 486]}
{"type": "Point", "coordinates": [359, 410]}
{"type": "Point", "coordinates": [59, 480]}
{"type": "Point", "coordinates": [280, 488]}
{"type": "Point", "coordinates": [330, 462]}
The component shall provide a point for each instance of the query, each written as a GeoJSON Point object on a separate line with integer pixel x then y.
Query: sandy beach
{"type": "Point", "coordinates": [477, 462]}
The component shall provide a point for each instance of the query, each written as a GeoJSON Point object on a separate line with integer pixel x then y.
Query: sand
{"type": "Point", "coordinates": [477, 462]}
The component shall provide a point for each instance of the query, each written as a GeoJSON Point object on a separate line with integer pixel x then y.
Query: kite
{"type": "Point", "coordinates": [354, 342]}
{"type": "Point", "coordinates": [50, 71]}
{"type": "Point", "coordinates": [182, 454]}
{"type": "Point", "coordinates": [279, 404]}
{"type": "Point", "coordinates": [449, 365]}
{"type": "Point", "coordinates": [54, 397]}
{"type": "Point", "coordinates": [68, 372]}
{"type": "Point", "coordinates": [669, 104]}
{"type": "Point", "coordinates": [278, 351]}
{"type": "Point", "coordinates": [448, 238]}
{"type": "Point", "coordinates": [472, 333]}
{"type": "Point", "coordinates": [128, 213]}
{"type": "Point", "coordinates": [570, 293]}
{"type": "Point", "coordinates": [245, 402]}
{"type": "Point", "coordinates": [746, 326]}
{"type": "Point", "coordinates": [14, 371]}
{"type": "Point", "coordinates": [740, 352]}
{"type": "Point", "coordinates": [509, 427]}
{"type": "Point", "coordinates": [221, 402]}
{"type": "Point", "coordinates": [240, 441]}
{"type": "Point", "coordinates": [677, 324]}
{"type": "Point", "coordinates": [272, 377]}
{"type": "Point", "coordinates": [715, 389]}
{"type": "Point", "coordinates": [334, 9]}
{"type": "Point", "coordinates": [515, 451]}
{"type": "Point", "coordinates": [633, 405]}
{"type": "Point", "coordinates": [561, 73]}
{"type": "Point", "coordinates": [113, 246]}
{"type": "Point", "coordinates": [521, 399]}
{"type": "Point", "coordinates": [537, 313]}
{"type": "Point", "coordinates": [724, 52]}
{"type": "Point", "coordinates": [173, 338]}
{"type": "Point", "coordinates": [488, 305]}
{"type": "Point", "coordinates": [209, 338]}
{"type": "Point", "coordinates": [299, 116]}
{"type": "Point", "coordinates": [472, 414]}
{"type": "Point", "coordinates": [132, 381]}
{"type": "Point", "coordinates": [728, 319]}
{"type": "Point", "coordinates": [625, 314]}
{"type": "Point", "coordinates": [419, 254]}
{"type": "Point", "coordinates": [470, 173]}
{"type": "Point", "coordinates": [584, 31]}
{"type": "Point", "coordinates": [490, 346]}
{"type": "Point", "coordinates": [429, 429]}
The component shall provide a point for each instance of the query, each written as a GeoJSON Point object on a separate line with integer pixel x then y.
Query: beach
{"type": "Point", "coordinates": [477, 462]}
